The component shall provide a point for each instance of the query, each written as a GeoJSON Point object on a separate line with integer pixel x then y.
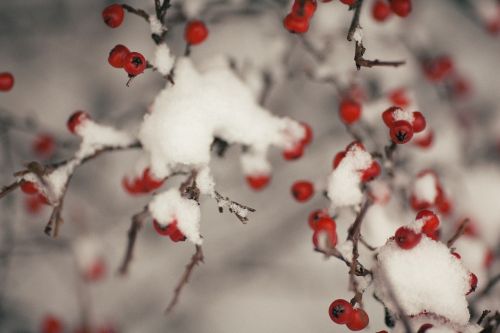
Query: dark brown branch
{"type": "Point", "coordinates": [195, 260]}
{"type": "Point", "coordinates": [483, 315]}
{"type": "Point", "coordinates": [138, 12]}
{"type": "Point", "coordinates": [9, 188]}
{"type": "Point", "coordinates": [460, 231]}
{"type": "Point", "coordinates": [360, 270]}
{"type": "Point", "coordinates": [239, 210]}
{"type": "Point", "coordinates": [137, 222]}
{"type": "Point", "coordinates": [355, 20]}
{"type": "Point", "coordinates": [354, 234]}
{"type": "Point", "coordinates": [360, 61]}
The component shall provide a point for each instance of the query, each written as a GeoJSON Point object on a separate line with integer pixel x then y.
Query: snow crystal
{"type": "Point", "coordinates": [344, 182]}
{"type": "Point", "coordinates": [164, 60]}
{"type": "Point", "coordinates": [426, 278]}
{"type": "Point", "coordinates": [170, 205]}
{"type": "Point", "coordinates": [358, 35]}
{"type": "Point", "coordinates": [425, 188]}
{"type": "Point", "coordinates": [255, 163]}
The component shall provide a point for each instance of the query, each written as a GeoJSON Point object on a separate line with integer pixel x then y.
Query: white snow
{"type": "Point", "coordinates": [155, 25]}
{"type": "Point", "coordinates": [205, 181]}
{"type": "Point", "coordinates": [425, 188]}
{"type": "Point", "coordinates": [170, 206]}
{"type": "Point", "coordinates": [164, 60]}
{"type": "Point", "coordinates": [187, 116]}
{"type": "Point", "coordinates": [403, 114]}
{"type": "Point", "coordinates": [344, 182]}
{"type": "Point", "coordinates": [424, 278]}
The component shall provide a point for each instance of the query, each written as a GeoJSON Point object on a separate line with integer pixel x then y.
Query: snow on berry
{"type": "Point", "coordinates": [170, 206]}
{"type": "Point", "coordinates": [344, 182]}
{"type": "Point", "coordinates": [164, 60]}
{"type": "Point", "coordinates": [424, 190]}
{"type": "Point", "coordinates": [426, 278]}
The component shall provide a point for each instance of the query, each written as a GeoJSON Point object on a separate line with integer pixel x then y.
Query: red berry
{"type": "Point", "coordinates": [489, 258]}
{"type": "Point", "coordinates": [355, 144]}
{"type": "Point", "coordinates": [325, 227]}
{"type": "Point", "coordinates": [348, 2]}
{"type": "Point", "coordinates": [113, 15]}
{"type": "Point", "coordinates": [407, 238]}
{"type": "Point", "coordinates": [77, 119]}
{"type": "Point", "coordinates": [96, 271]}
{"type": "Point", "coordinates": [308, 9]}
{"type": "Point", "coordinates": [133, 187]}
{"type": "Point", "coordinates": [442, 202]}
{"type": "Point", "coordinates": [473, 283]}
{"type": "Point", "coordinates": [258, 182]}
{"type": "Point", "coordinates": [149, 182]}
{"type": "Point", "coordinates": [381, 11]}
{"type": "Point", "coordinates": [431, 222]}
{"type": "Point", "coordinates": [388, 115]}
{"type": "Point", "coordinates": [456, 255]}
{"type": "Point", "coordinates": [195, 32]}
{"type": "Point", "coordinates": [398, 97]}
{"type": "Point", "coordinates": [51, 324]}
{"type": "Point", "coordinates": [424, 328]}
{"type": "Point", "coordinates": [425, 140]}
{"type": "Point", "coordinates": [350, 111]}
{"type": "Point", "coordinates": [315, 216]}
{"type": "Point", "coordinates": [118, 55]}
{"type": "Point", "coordinates": [371, 172]}
{"type": "Point", "coordinates": [438, 69]}
{"type": "Point", "coordinates": [44, 145]}
{"type": "Point", "coordinates": [135, 63]}
{"type": "Point", "coordinates": [419, 122]}
{"type": "Point", "coordinates": [417, 204]}
{"type": "Point", "coordinates": [294, 152]}
{"type": "Point", "coordinates": [401, 7]}
{"type": "Point", "coordinates": [170, 230]}
{"type": "Point", "coordinates": [33, 204]}
{"type": "Point", "coordinates": [308, 137]}
{"type": "Point", "coordinates": [340, 311]}
{"type": "Point", "coordinates": [29, 187]}
{"type": "Point", "coordinates": [359, 320]}
{"type": "Point", "coordinates": [6, 81]}
{"type": "Point", "coordinates": [338, 158]}
{"type": "Point", "coordinates": [302, 190]}
{"type": "Point", "coordinates": [296, 24]}
{"type": "Point", "coordinates": [401, 132]}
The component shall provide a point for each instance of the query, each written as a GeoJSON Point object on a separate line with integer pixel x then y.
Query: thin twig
{"type": "Point", "coordinates": [138, 12]}
{"type": "Point", "coordinates": [483, 315]}
{"type": "Point", "coordinates": [355, 20]}
{"type": "Point", "coordinates": [195, 260]}
{"type": "Point", "coordinates": [137, 222]}
{"type": "Point", "coordinates": [9, 188]}
{"type": "Point", "coordinates": [460, 231]}
{"type": "Point", "coordinates": [239, 210]}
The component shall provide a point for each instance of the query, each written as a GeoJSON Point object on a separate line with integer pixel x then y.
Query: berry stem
{"type": "Point", "coordinates": [136, 225]}
{"type": "Point", "coordinates": [460, 231]}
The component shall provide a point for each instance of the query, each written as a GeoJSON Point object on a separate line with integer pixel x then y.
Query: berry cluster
{"type": "Point", "coordinates": [367, 174]}
{"type": "Point", "coordinates": [133, 63]}
{"type": "Point", "coordinates": [342, 312]}
{"type": "Point", "coordinates": [441, 201]}
{"type": "Point", "coordinates": [324, 230]}
{"type": "Point", "coordinates": [6, 81]}
{"type": "Point", "coordinates": [441, 69]}
{"type": "Point", "coordinates": [297, 21]}
{"type": "Point", "coordinates": [383, 9]}
{"type": "Point", "coordinates": [170, 230]}
{"type": "Point", "coordinates": [145, 183]}
{"type": "Point", "coordinates": [427, 223]}
{"type": "Point", "coordinates": [403, 124]}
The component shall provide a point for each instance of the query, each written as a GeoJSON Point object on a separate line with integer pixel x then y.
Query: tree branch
{"type": "Point", "coordinates": [136, 225]}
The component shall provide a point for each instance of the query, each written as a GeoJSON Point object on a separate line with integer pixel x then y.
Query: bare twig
{"type": "Point", "coordinates": [460, 231]}
{"type": "Point", "coordinates": [360, 61]}
{"type": "Point", "coordinates": [483, 315]}
{"type": "Point", "coordinates": [9, 188]}
{"type": "Point", "coordinates": [355, 20]}
{"type": "Point", "coordinates": [360, 270]}
{"type": "Point", "coordinates": [195, 260]}
{"type": "Point", "coordinates": [137, 222]}
{"type": "Point", "coordinates": [138, 12]}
